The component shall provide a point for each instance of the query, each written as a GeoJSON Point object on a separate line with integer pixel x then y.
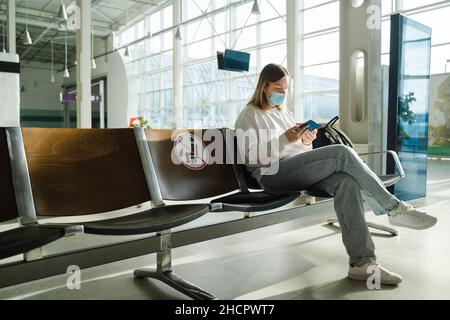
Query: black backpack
{"type": "Point", "coordinates": [328, 135]}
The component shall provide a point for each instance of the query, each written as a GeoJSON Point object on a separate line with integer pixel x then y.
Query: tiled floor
{"type": "Point", "coordinates": [285, 261]}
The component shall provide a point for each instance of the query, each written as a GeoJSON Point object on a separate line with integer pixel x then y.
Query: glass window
{"type": "Point", "coordinates": [321, 107]}
{"type": "Point", "coordinates": [320, 18]}
{"type": "Point", "coordinates": [274, 54]}
{"type": "Point", "coordinates": [387, 7]}
{"type": "Point", "coordinates": [312, 3]}
{"type": "Point", "coordinates": [411, 4]}
{"type": "Point", "coordinates": [246, 38]}
{"type": "Point", "coordinates": [439, 57]}
{"type": "Point", "coordinates": [273, 30]}
{"type": "Point", "coordinates": [167, 20]}
{"type": "Point", "coordinates": [271, 9]}
{"type": "Point", "coordinates": [320, 49]}
{"type": "Point", "coordinates": [155, 22]}
{"type": "Point", "coordinates": [319, 87]}
{"type": "Point", "coordinates": [321, 78]}
{"type": "Point", "coordinates": [438, 21]}
{"type": "Point", "coordinates": [385, 36]}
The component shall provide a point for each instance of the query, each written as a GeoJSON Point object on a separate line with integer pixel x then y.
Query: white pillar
{"type": "Point", "coordinates": [177, 67]}
{"type": "Point", "coordinates": [293, 48]}
{"type": "Point", "coordinates": [360, 90]}
{"type": "Point", "coordinates": [11, 25]}
{"type": "Point", "coordinates": [231, 87]}
{"type": "Point", "coordinates": [9, 93]}
{"type": "Point", "coordinates": [398, 5]}
{"type": "Point", "coordinates": [300, 81]}
{"type": "Point", "coordinates": [84, 109]}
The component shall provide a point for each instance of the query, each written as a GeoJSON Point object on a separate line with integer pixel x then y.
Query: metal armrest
{"type": "Point", "coordinates": [69, 229]}
{"type": "Point", "coordinates": [394, 156]}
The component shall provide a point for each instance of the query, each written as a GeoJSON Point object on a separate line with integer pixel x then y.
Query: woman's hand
{"type": "Point", "coordinates": [295, 133]}
{"type": "Point", "coordinates": [309, 136]}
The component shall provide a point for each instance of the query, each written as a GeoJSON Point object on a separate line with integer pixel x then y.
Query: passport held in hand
{"type": "Point", "coordinates": [312, 125]}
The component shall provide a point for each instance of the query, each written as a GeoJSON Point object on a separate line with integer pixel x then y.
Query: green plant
{"type": "Point", "coordinates": [406, 115]}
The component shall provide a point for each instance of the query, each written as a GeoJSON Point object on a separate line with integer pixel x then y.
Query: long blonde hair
{"type": "Point", "coordinates": [270, 74]}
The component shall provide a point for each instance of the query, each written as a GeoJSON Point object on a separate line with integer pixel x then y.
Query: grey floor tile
{"type": "Point", "coordinates": [9, 293]}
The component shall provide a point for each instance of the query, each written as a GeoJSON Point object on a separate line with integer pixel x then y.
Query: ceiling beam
{"type": "Point", "coordinates": [35, 41]}
{"type": "Point", "coordinates": [40, 49]}
{"type": "Point", "coordinates": [102, 15]}
{"type": "Point", "coordinates": [53, 25]}
{"type": "Point", "coordinates": [36, 17]}
{"type": "Point", "coordinates": [47, 4]}
{"type": "Point", "coordinates": [151, 3]}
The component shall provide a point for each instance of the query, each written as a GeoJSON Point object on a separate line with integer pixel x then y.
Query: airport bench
{"type": "Point", "coordinates": [76, 172]}
{"type": "Point", "coordinates": [72, 172]}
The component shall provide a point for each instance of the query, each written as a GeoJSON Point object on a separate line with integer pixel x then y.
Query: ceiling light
{"type": "Point", "coordinates": [178, 34]}
{"type": "Point", "coordinates": [62, 12]}
{"type": "Point", "coordinates": [127, 52]}
{"type": "Point", "coordinates": [3, 36]}
{"type": "Point", "coordinates": [255, 8]}
{"type": "Point", "coordinates": [66, 72]}
{"type": "Point", "coordinates": [93, 65]}
{"type": "Point", "coordinates": [27, 40]}
{"type": "Point", "coordinates": [52, 75]}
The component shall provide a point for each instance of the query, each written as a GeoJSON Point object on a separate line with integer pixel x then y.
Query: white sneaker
{"type": "Point", "coordinates": [409, 217]}
{"type": "Point", "coordinates": [364, 272]}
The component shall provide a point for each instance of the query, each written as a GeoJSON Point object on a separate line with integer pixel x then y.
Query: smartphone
{"type": "Point", "coordinates": [312, 125]}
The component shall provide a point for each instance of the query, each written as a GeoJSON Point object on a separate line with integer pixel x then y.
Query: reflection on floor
{"type": "Point", "coordinates": [285, 261]}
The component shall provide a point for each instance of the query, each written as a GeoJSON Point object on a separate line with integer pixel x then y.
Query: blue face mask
{"type": "Point", "coordinates": [277, 99]}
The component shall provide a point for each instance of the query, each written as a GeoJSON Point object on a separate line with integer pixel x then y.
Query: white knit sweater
{"type": "Point", "coordinates": [274, 123]}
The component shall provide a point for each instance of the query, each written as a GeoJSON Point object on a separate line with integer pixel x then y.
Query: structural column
{"type": "Point", "coordinates": [178, 74]}
{"type": "Point", "coordinates": [84, 108]}
{"type": "Point", "coordinates": [11, 25]}
{"type": "Point", "coordinates": [360, 85]}
{"type": "Point", "coordinates": [293, 25]}
{"type": "Point", "coordinates": [398, 5]}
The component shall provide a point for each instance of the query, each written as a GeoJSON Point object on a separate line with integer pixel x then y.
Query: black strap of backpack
{"type": "Point", "coordinates": [346, 140]}
{"type": "Point", "coordinates": [335, 135]}
{"type": "Point", "coordinates": [332, 121]}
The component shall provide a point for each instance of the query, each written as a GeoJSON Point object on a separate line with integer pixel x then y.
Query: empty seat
{"type": "Point", "coordinates": [16, 203]}
{"type": "Point", "coordinates": [87, 171]}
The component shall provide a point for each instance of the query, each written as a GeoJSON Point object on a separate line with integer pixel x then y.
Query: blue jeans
{"type": "Point", "coordinates": [338, 171]}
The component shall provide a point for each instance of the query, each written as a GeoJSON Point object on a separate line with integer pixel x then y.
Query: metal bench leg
{"type": "Point", "coordinates": [310, 200]}
{"type": "Point", "coordinates": [32, 255]}
{"type": "Point", "coordinates": [165, 274]}
{"type": "Point", "coordinates": [250, 214]}
{"type": "Point", "coordinates": [392, 231]}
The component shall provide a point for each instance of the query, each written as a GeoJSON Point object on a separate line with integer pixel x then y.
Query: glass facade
{"type": "Point", "coordinates": [319, 96]}
{"type": "Point", "coordinates": [214, 98]}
